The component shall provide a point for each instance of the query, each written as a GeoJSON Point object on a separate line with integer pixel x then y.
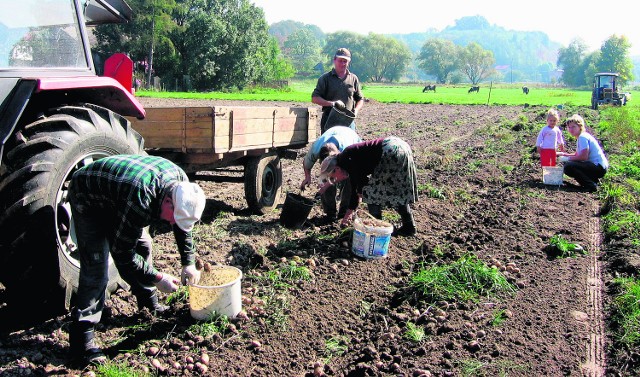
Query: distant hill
{"type": "Point", "coordinates": [526, 55]}
{"type": "Point", "coordinates": [520, 55]}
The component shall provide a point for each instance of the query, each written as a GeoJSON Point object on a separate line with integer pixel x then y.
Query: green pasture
{"type": "Point", "coordinates": [498, 94]}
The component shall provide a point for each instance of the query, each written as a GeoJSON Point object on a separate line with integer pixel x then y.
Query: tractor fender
{"type": "Point", "coordinates": [102, 91]}
{"type": "Point", "coordinates": [49, 92]}
{"type": "Point", "coordinates": [16, 94]}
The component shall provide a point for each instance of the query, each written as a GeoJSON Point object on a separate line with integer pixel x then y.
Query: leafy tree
{"type": "Point", "coordinates": [283, 29]}
{"type": "Point", "coordinates": [218, 43]}
{"type": "Point", "coordinates": [275, 65]}
{"type": "Point", "coordinates": [589, 66]}
{"type": "Point", "coordinates": [387, 58]}
{"type": "Point", "coordinates": [303, 49]}
{"type": "Point", "coordinates": [439, 58]}
{"type": "Point", "coordinates": [614, 57]}
{"type": "Point", "coordinates": [570, 59]}
{"type": "Point", "coordinates": [352, 41]}
{"type": "Point", "coordinates": [151, 24]}
{"type": "Point", "coordinates": [476, 62]}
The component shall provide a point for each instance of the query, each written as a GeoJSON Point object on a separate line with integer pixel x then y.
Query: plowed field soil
{"type": "Point", "coordinates": [481, 195]}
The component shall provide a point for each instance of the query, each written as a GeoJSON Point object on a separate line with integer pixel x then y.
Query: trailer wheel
{"type": "Point", "coordinates": [38, 257]}
{"type": "Point", "coordinates": [263, 183]}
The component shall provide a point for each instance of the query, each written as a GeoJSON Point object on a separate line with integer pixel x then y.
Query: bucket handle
{"type": "Point", "coordinates": [360, 210]}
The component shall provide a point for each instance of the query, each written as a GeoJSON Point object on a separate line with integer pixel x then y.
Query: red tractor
{"type": "Point", "coordinates": [56, 116]}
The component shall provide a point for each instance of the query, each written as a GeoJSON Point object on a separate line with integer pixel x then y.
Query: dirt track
{"type": "Point", "coordinates": [491, 203]}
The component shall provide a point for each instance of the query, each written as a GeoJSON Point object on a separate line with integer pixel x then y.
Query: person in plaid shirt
{"type": "Point", "coordinates": [113, 201]}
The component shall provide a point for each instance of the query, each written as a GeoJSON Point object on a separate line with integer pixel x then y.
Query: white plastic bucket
{"type": "Point", "coordinates": [552, 175]}
{"type": "Point", "coordinates": [218, 291]}
{"type": "Point", "coordinates": [371, 237]}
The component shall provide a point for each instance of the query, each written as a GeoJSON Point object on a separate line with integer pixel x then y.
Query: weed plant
{"type": "Point", "coordinates": [335, 346]}
{"type": "Point", "coordinates": [215, 324]}
{"type": "Point", "coordinates": [432, 192]}
{"type": "Point", "coordinates": [499, 317]}
{"type": "Point", "coordinates": [498, 368]}
{"type": "Point", "coordinates": [365, 308]}
{"type": "Point", "coordinates": [414, 332]}
{"type": "Point", "coordinates": [565, 248]}
{"type": "Point", "coordinates": [118, 369]}
{"type": "Point", "coordinates": [181, 295]}
{"type": "Point", "coordinates": [465, 279]}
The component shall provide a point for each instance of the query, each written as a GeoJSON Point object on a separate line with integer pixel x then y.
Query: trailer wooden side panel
{"type": "Point", "coordinates": [226, 128]}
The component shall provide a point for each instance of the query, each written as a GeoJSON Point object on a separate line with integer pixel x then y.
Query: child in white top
{"type": "Point", "coordinates": [550, 139]}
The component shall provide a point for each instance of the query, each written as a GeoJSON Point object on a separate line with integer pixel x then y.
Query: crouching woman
{"type": "Point", "coordinates": [381, 172]}
{"type": "Point", "coordinates": [589, 163]}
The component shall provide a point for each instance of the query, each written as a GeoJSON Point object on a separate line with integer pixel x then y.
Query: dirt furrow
{"type": "Point", "coordinates": [595, 364]}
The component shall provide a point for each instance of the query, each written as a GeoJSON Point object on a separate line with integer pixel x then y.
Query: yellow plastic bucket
{"type": "Point", "coordinates": [218, 292]}
{"type": "Point", "coordinates": [371, 237]}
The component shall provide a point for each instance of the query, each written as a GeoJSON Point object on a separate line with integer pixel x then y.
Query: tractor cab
{"type": "Point", "coordinates": [605, 90]}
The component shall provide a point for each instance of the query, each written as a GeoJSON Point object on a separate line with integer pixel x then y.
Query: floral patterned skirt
{"type": "Point", "coordinates": [394, 181]}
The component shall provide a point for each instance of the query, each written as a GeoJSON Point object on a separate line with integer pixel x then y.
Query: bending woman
{"type": "Point", "coordinates": [381, 172]}
{"type": "Point", "coordinates": [588, 164]}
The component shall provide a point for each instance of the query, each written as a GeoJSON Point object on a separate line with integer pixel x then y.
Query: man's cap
{"type": "Point", "coordinates": [343, 53]}
{"type": "Point", "coordinates": [188, 204]}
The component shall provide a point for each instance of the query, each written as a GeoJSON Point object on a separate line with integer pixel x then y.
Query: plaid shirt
{"type": "Point", "coordinates": [130, 189]}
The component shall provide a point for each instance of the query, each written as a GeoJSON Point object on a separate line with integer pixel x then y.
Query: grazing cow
{"type": "Point", "coordinates": [474, 89]}
{"type": "Point", "coordinates": [428, 88]}
{"type": "Point", "coordinates": [525, 90]}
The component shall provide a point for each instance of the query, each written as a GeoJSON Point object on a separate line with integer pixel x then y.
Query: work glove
{"type": "Point", "coordinates": [563, 158]}
{"type": "Point", "coordinates": [167, 283]}
{"type": "Point", "coordinates": [190, 275]}
{"type": "Point", "coordinates": [339, 105]}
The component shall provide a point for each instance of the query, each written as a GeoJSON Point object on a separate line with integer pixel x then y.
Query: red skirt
{"type": "Point", "coordinates": [548, 157]}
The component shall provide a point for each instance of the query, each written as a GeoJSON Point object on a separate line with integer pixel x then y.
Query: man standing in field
{"type": "Point", "coordinates": [338, 88]}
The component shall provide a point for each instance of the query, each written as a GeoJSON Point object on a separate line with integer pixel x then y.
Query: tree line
{"type": "Point", "coordinates": [227, 44]}
{"type": "Point", "coordinates": [579, 65]}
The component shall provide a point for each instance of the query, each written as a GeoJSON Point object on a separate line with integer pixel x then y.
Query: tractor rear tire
{"type": "Point", "coordinates": [263, 183]}
{"type": "Point", "coordinates": [38, 258]}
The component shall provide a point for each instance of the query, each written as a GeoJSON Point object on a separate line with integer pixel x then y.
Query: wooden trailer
{"type": "Point", "coordinates": [209, 138]}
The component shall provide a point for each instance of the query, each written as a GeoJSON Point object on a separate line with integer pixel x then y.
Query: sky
{"type": "Point", "coordinates": [561, 20]}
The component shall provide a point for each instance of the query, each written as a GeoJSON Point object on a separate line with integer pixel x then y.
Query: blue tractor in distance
{"type": "Point", "coordinates": [606, 91]}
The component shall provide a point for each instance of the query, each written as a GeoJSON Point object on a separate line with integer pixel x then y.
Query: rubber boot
{"type": "Point", "coordinates": [151, 303]}
{"type": "Point", "coordinates": [408, 227]}
{"type": "Point", "coordinates": [83, 349]}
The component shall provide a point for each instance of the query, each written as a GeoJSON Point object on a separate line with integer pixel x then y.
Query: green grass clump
{"type": "Point", "coordinates": [113, 369]}
{"type": "Point", "coordinates": [468, 278]}
{"type": "Point", "coordinates": [414, 332]}
{"type": "Point", "coordinates": [499, 317]}
{"type": "Point", "coordinates": [181, 295]}
{"type": "Point", "coordinates": [432, 192]}
{"type": "Point", "coordinates": [621, 222]}
{"type": "Point", "coordinates": [626, 312]}
{"type": "Point", "coordinates": [335, 346]}
{"type": "Point", "coordinates": [621, 125]}
{"type": "Point", "coordinates": [216, 324]}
